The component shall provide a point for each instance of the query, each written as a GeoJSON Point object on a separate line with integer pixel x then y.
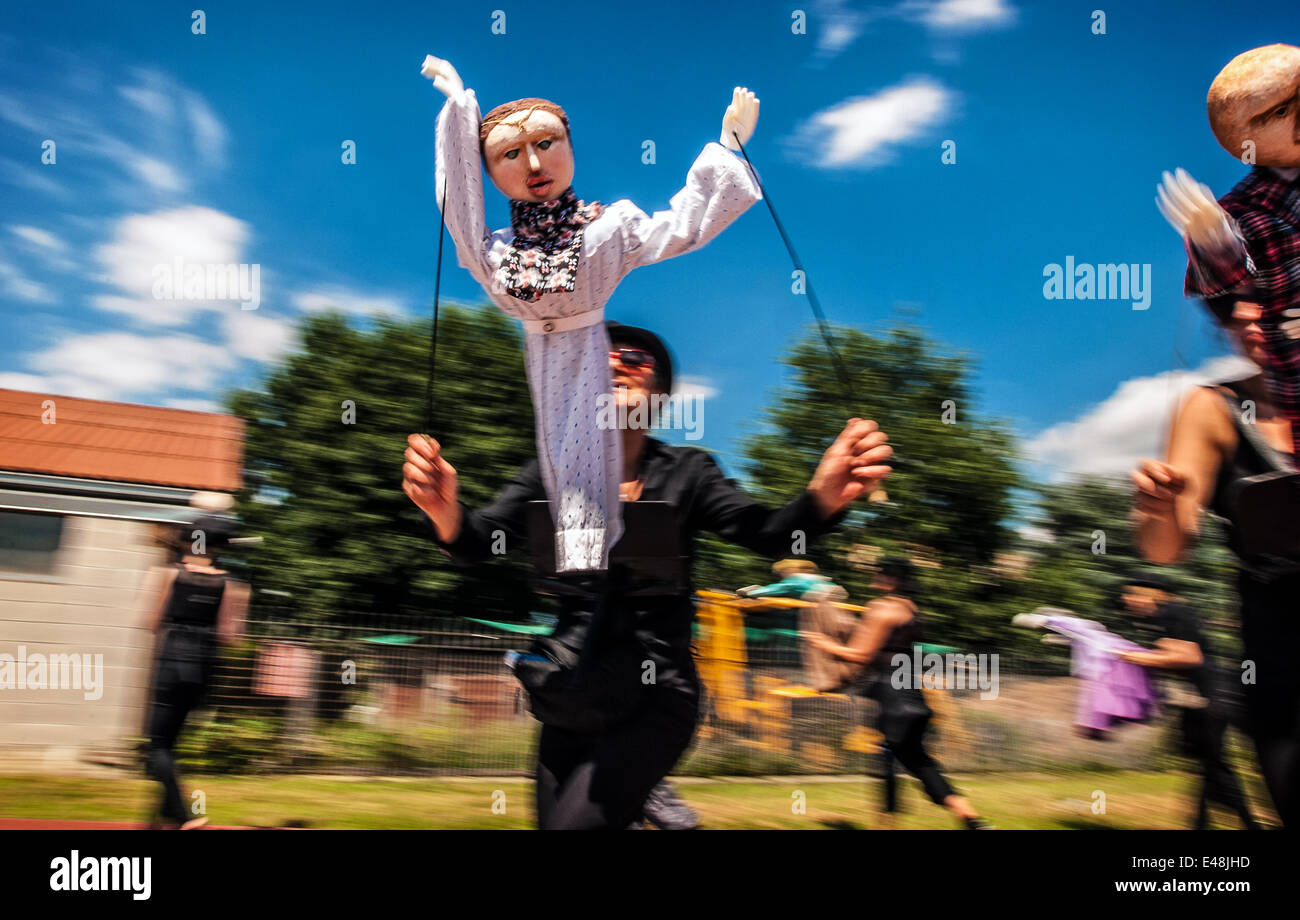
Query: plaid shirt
{"type": "Point", "coordinates": [1265, 266]}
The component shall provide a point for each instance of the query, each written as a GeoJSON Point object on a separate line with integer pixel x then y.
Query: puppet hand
{"type": "Point", "coordinates": [740, 118]}
{"type": "Point", "coordinates": [1158, 485]}
{"type": "Point", "coordinates": [815, 639]}
{"type": "Point", "coordinates": [1029, 620]}
{"type": "Point", "coordinates": [855, 464]}
{"type": "Point", "coordinates": [1191, 209]}
{"type": "Point", "coordinates": [443, 75]}
{"type": "Point", "coordinates": [1291, 326]}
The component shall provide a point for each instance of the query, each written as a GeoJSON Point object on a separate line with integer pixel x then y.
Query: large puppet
{"type": "Point", "coordinates": [1111, 689]}
{"type": "Point", "coordinates": [824, 614]}
{"type": "Point", "coordinates": [556, 266]}
{"type": "Point", "coordinates": [1248, 243]}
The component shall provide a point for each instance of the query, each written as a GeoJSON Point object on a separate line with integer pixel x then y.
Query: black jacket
{"type": "Point", "coordinates": [693, 484]}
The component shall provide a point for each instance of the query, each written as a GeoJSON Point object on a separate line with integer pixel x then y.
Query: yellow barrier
{"type": "Point", "coordinates": [722, 662]}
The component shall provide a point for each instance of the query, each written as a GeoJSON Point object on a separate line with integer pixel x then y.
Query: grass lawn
{"type": "Point", "coordinates": [1010, 800]}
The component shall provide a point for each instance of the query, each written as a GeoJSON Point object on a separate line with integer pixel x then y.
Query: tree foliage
{"type": "Point", "coordinates": [323, 487]}
{"type": "Point", "coordinates": [324, 491]}
{"type": "Point", "coordinates": [950, 496]}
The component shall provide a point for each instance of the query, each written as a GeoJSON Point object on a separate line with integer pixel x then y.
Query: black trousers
{"type": "Point", "coordinates": [601, 781]}
{"type": "Point", "coordinates": [1203, 731]}
{"type": "Point", "coordinates": [1270, 632]}
{"type": "Point", "coordinates": [179, 685]}
{"type": "Point", "coordinates": [907, 747]}
{"type": "Point", "coordinates": [1279, 762]}
{"type": "Point", "coordinates": [902, 718]}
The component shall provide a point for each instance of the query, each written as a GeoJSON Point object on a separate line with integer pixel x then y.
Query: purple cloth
{"type": "Point", "coordinates": [1110, 690]}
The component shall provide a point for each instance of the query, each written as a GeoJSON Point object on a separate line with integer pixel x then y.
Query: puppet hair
{"type": "Point", "coordinates": [786, 567]}
{"type": "Point", "coordinates": [506, 109]}
{"type": "Point", "coordinates": [1248, 80]}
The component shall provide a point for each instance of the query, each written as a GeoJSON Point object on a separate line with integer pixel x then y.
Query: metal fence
{"type": "Point", "coordinates": [432, 695]}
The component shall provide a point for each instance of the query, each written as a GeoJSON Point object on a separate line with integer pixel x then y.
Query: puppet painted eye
{"type": "Point", "coordinates": [512, 154]}
{"type": "Point", "coordinates": [545, 145]}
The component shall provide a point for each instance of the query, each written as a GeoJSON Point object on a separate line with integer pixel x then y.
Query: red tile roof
{"type": "Point", "coordinates": [122, 442]}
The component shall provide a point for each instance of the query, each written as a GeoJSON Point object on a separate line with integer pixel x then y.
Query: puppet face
{"type": "Point", "coordinates": [1256, 100]}
{"type": "Point", "coordinates": [529, 157]}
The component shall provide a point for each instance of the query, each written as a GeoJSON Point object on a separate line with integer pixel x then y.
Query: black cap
{"type": "Point", "coordinates": [217, 531]}
{"type": "Point", "coordinates": [620, 334]}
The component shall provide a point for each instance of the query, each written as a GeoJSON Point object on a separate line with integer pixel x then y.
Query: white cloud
{"type": "Point", "coordinates": [837, 25]}
{"type": "Point", "coordinates": [37, 178]}
{"type": "Point", "coordinates": [194, 405]}
{"type": "Point", "coordinates": [155, 172]}
{"type": "Point", "coordinates": [151, 131]}
{"type": "Point", "coordinates": [694, 388]}
{"type": "Point", "coordinates": [209, 133]}
{"type": "Point", "coordinates": [14, 283]}
{"type": "Point", "coordinates": [148, 99]}
{"type": "Point", "coordinates": [1131, 423]}
{"type": "Point", "coordinates": [964, 15]}
{"type": "Point", "coordinates": [866, 130]}
{"type": "Point", "coordinates": [39, 237]}
{"type": "Point", "coordinates": [123, 366]}
{"type": "Point", "coordinates": [251, 334]}
{"type": "Point", "coordinates": [29, 382]}
{"type": "Point", "coordinates": [142, 242]}
{"type": "Point", "coordinates": [348, 301]}
{"type": "Point", "coordinates": [47, 247]}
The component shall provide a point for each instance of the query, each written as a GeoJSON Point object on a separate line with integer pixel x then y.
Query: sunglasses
{"type": "Point", "coordinates": [634, 357]}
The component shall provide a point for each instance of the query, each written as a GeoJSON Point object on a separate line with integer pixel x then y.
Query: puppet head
{"type": "Point", "coordinates": [527, 151]}
{"type": "Point", "coordinates": [1254, 106]}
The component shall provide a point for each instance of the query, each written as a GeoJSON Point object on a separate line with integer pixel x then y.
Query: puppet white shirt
{"type": "Point", "coordinates": [568, 363]}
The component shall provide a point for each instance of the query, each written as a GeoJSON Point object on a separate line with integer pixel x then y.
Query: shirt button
{"type": "Point", "coordinates": [548, 327]}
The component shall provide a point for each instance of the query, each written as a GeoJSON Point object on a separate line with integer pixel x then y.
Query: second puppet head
{"type": "Point", "coordinates": [1254, 106]}
{"type": "Point", "coordinates": [527, 150]}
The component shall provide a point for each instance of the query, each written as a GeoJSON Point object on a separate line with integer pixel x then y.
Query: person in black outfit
{"type": "Point", "coordinates": [1223, 434]}
{"type": "Point", "coordinates": [193, 606]}
{"type": "Point", "coordinates": [601, 779]}
{"type": "Point", "coordinates": [889, 628]}
{"type": "Point", "coordinates": [1164, 621]}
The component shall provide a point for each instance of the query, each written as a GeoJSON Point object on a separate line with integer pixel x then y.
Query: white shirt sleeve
{"type": "Point", "coordinates": [460, 167]}
{"type": "Point", "coordinates": [719, 188]}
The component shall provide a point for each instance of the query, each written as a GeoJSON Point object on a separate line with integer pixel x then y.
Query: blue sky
{"type": "Point", "coordinates": [226, 147]}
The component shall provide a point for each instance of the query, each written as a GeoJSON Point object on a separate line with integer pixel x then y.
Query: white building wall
{"type": "Point", "coordinates": [89, 604]}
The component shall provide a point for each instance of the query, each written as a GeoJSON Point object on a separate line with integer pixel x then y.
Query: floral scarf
{"type": "Point", "coordinates": [543, 259]}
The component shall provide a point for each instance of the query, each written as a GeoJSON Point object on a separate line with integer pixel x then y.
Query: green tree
{"type": "Point", "coordinates": [323, 487]}
{"type": "Point", "coordinates": [950, 496]}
